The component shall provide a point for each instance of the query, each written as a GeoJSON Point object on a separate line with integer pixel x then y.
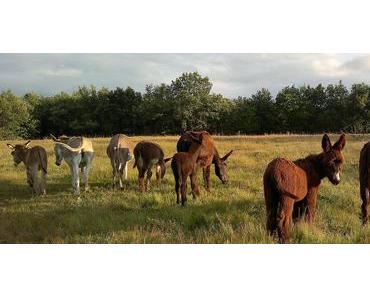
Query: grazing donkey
{"type": "Point", "coordinates": [78, 153]}
{"type": "Point", "coordinates": [291, 188]}
{"type": "Point", "coordinates": [207, 156]}
{"type": "Point", "coordinates": [364, 180]}
{"type": "Point", "coordinates": [147, 155]}
{"type": "Point", "coordinates": [184, 164]}
{"type": "Point", "coordinates": [36, 159]}
{"type": "Point", "coordinates": [120, 152]}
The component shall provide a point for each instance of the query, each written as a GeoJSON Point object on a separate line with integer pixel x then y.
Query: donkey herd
{"type": "Point", "coordinates": [290, 187]}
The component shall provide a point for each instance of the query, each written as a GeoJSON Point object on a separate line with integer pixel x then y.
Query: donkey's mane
{"type": "Point", "coordinates": [311, 163]}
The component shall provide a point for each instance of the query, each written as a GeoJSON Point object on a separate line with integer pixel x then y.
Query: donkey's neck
{"type": "Point", "coordinates": [25, 155]}
{"type": "Point", "coordinates": [312, 164]}
{"type": "Point", "coordinates": [216, 157]}
{"type": "Point", "coordinates": [194, 151]}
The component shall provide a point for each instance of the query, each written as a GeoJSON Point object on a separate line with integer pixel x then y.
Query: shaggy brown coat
{"type": "Point", "coordinates": [184, 165]}
{"type": "Point", "coordinates": [148, 155]}
{"type": "Point", "coordinates": [290, 188]}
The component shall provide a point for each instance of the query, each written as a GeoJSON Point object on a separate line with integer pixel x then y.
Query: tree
{"type": "Point", "coordinates": [15, 118]}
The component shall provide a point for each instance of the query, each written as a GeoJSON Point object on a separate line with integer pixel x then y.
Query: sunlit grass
{"type": "Point", "coordinates": [229, 214]}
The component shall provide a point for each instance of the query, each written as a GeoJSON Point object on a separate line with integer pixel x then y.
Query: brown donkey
{"type": "Point", "coordinates": [208, 155]}
{"type": "Point", "coordinates": [184, 164]}
{"type": "Point", "coordinates": [364, 180]}
{"type": "Point", "coordinates": [291, 188]}
{"type": "Point", "coordinates": [148, 155]}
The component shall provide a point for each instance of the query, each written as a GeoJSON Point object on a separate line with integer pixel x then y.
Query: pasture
{"type": "Point", "coordinates": [233, 213]}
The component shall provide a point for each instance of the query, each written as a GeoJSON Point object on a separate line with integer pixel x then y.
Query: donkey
{"type": "Point", "coordinates": [120, 152]}
{"type": "Point", "coordinates": [149, 154]}
{"type": "Point", "coordinates": [207, 156]}
{"type": "Point", "coordinates": [78, 153]}
{"type": "Point", "coordinates": [35, 159]}
{"type": "Point", "coordinates": [291, 188]}
{"type": "Point", "coordinates": [364, 180]}
{"type": "Point", "coordinates": [184, 164]}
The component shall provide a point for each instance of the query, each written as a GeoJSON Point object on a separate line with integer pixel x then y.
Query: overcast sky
{"type": "Point", "coordinates": [231, 74]}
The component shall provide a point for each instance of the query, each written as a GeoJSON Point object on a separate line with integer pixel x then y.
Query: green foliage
{"type": "Point", "coordinates": [186, 104]}
{"type": "Point", "coordinates": [15, 117]}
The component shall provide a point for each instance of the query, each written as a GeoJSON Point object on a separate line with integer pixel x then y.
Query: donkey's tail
{"type": "Point", "coordinates": [136, 158]}
{"type": "Point", "coordinates": [272, 198]}
{"type": "Point", "coordinates": [176, 170]}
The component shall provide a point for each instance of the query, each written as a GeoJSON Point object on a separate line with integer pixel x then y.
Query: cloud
{"type": "Point", "coordinates": [231, 74]}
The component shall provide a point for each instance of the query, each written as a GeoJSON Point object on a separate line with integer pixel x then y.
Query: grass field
{"type": "Point", "coordinates": [229, 214]}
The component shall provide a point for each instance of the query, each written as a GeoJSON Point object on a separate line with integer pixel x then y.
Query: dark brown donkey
{"type": "Point", "coordinates": [365, 180]}
{"type": "Point", "coordinates": [207, 156]}
{"type": "Point", "coordinates": [291, 188]}
{"type": "Point", "coordinates": [149, 154]}
{"type": "Point", "coordinates": [184, 164]}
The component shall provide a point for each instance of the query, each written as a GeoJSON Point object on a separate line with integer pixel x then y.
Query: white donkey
{"type": "Point", "coordinates": [78, 153]}
{"type": "Point", "coordinates": [120, 152]}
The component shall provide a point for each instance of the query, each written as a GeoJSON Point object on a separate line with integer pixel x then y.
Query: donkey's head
{"type": "Point", "coordinates": [162, 166]}
{"type": "Point", "coordinates": [58, 150]}
{"type": "Point", "coordinates": [18, 151]}
{"type": "Point", "coordinates": [332, 161]}
{"type": "Point", "coordinates": [221, 168]}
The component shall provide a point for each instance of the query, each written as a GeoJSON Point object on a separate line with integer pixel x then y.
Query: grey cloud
{"type": "Point", "coordinates": [232, 74]}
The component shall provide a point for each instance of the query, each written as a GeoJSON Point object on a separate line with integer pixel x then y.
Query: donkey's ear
{"type": "Point", "coordinates": [27, 143]}
{"type": "Point", "coordinates": [10, 146]}
{"type": "Point", "coordinates": [339, 145]}
{"type": "Point", "coordinates": [224, 158]}
{"type": "Point", "coordinates": [167, 159]}
{"type": "Point", "coordinates": [53, 137]}
{"type": "Point", "coordinates": [325, 143]}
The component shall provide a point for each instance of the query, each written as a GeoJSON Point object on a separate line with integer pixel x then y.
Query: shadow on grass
{"type": "Point", "coordinates": [96, 222]}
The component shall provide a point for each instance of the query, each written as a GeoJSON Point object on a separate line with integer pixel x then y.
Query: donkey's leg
{"type": "Point", "coordinates": [194, 185]}
{"type": "Point", "coordinates": [85, 176]}
{"type": "Point", "coordinates": [299, 210]}
{"type": "Point", "coordinates": [364, 191]}
{"type": "Point", "coordinates": [284, 217]}
{"type": "Point", "coordinates": [89, 158]}
{"type": "Point", "coordinates": [36, 187]}
{"type": "Point", "coordinates": [43, 182]}
{"type": "Point", "coordinates": [149, 174]}
{"type": "Point", "coordinates": [123, 167]}
{"type": "Point", "coordinates": [177, 189]}
{"type": "Point", "coordinates": [206, 175]}
{"type": "Point", "coordinates": [311, 205]}
{"type": "Point", "coordinates": [126, 169]}
{"type": "Point", "coordinates": [114, 172]}
{"type": "Point", "coordinates": [30, 181]}
{"type": "Point", "coordinates": [75, 179]}
{"type": "Point", "coordinates": [183, 190]}
{"type": "Point", "coordinates": [141, 171]}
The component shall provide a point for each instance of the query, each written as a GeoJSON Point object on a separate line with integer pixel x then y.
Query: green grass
{"type": "Point", "coordinates": [229, 214]}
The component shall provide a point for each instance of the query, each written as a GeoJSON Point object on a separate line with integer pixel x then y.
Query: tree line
{"type": "Point", "coordinates": [186, 103]}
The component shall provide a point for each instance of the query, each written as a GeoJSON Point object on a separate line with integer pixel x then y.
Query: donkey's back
{"type": "Point", "coordinates": [286, 178]}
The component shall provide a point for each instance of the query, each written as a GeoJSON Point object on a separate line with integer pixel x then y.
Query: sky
{"type": "Point", "coordinates": [232, 75]}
